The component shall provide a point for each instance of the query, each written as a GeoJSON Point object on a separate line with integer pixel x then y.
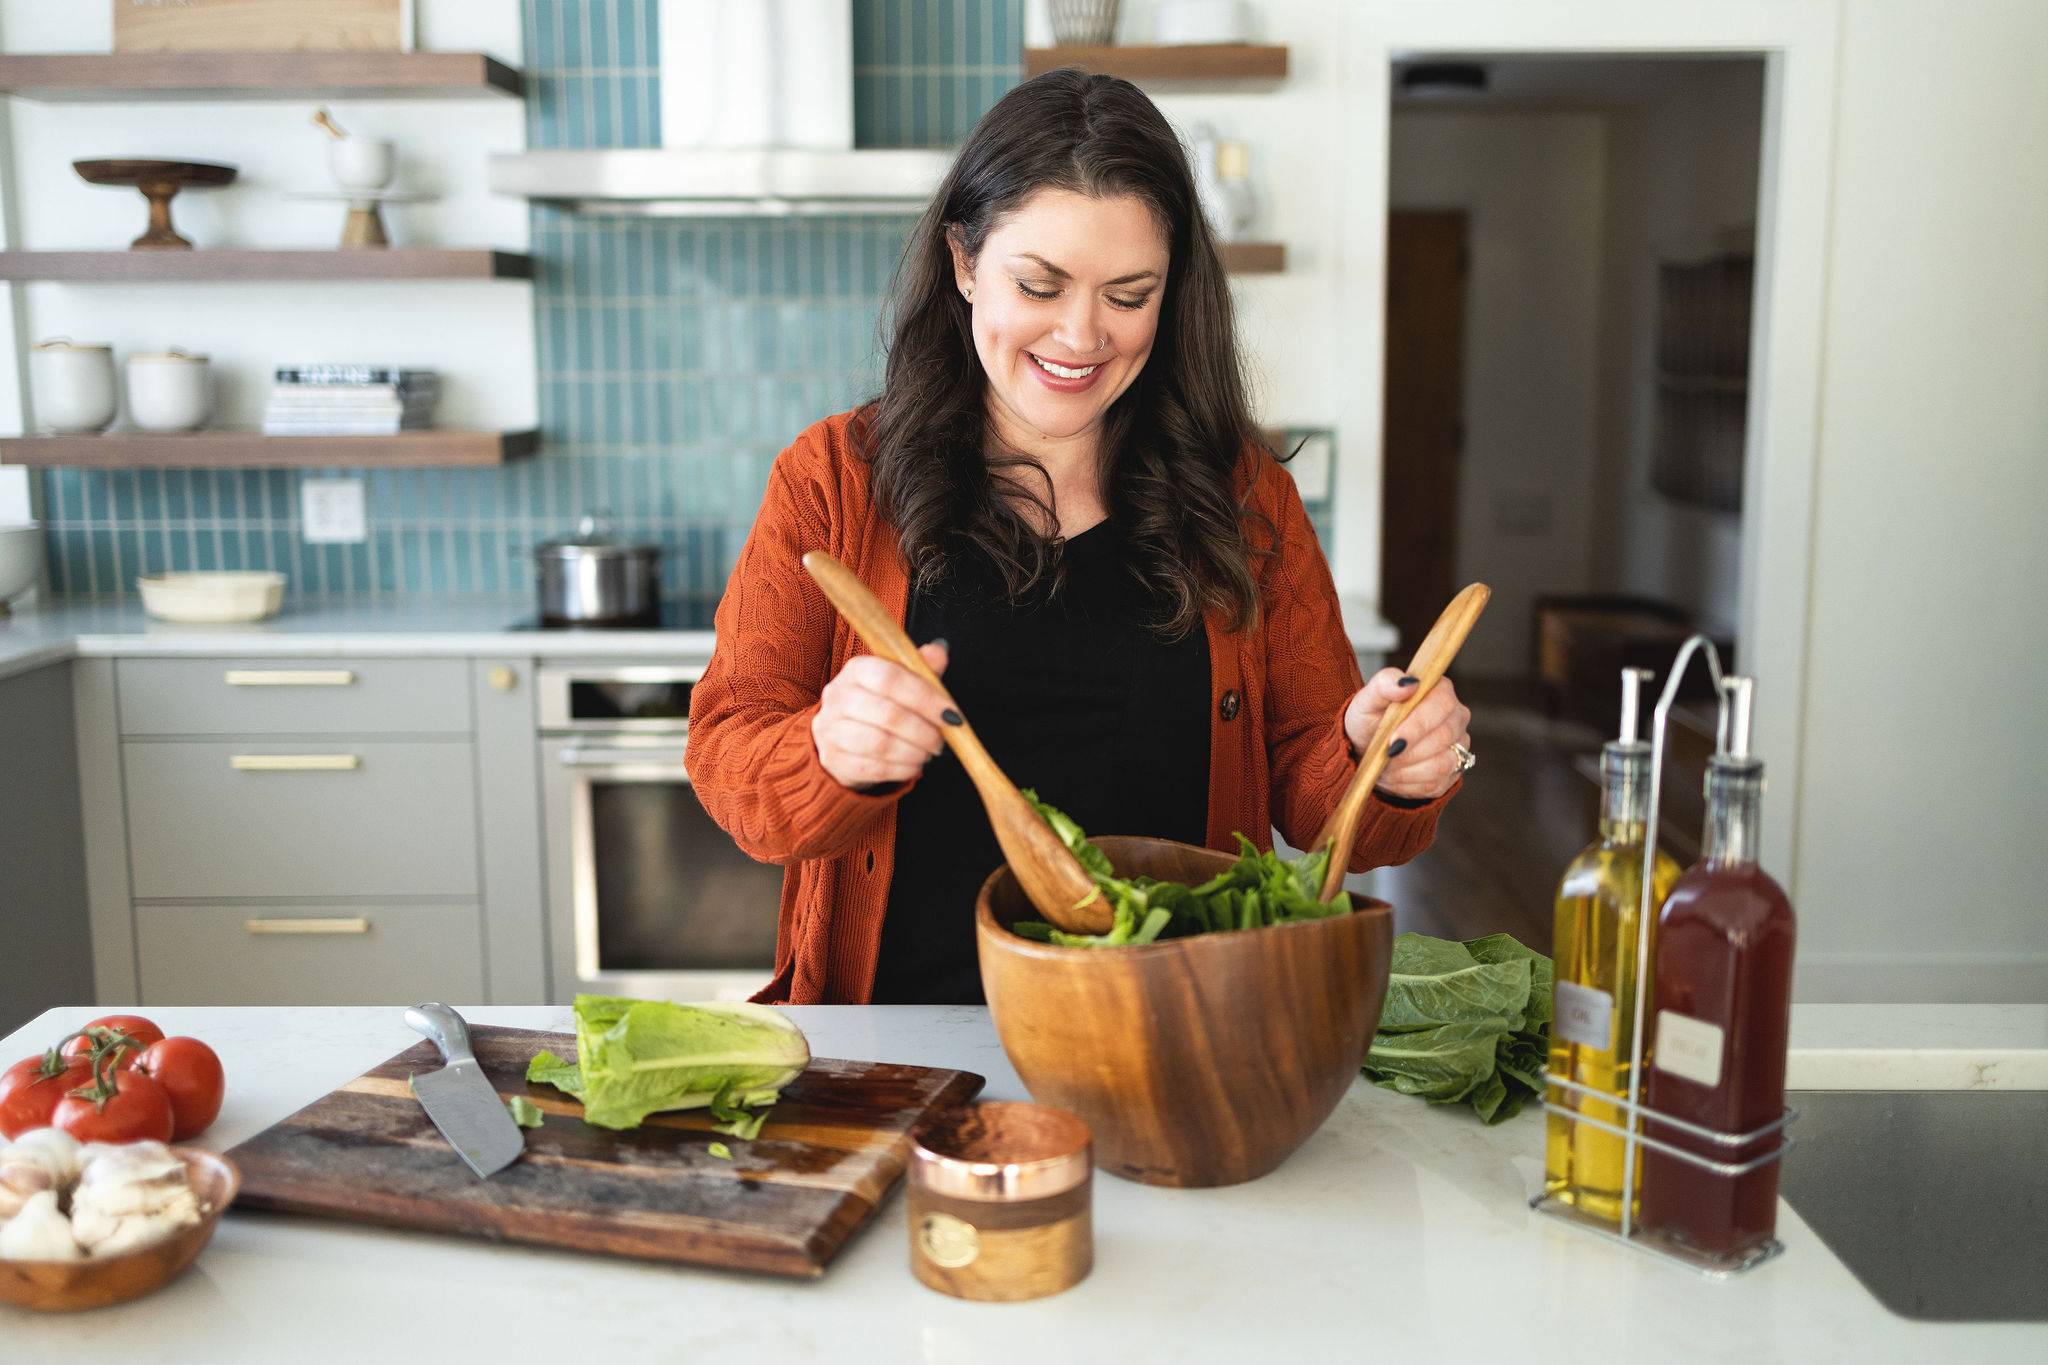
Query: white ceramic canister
{"type": "Point", "coordinates": [72, 386]}
{"type": "Point", "coordinates": [169, 390]}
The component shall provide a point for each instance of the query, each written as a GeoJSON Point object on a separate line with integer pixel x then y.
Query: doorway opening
{"type": "Point", "coordinates": [1569, 295]}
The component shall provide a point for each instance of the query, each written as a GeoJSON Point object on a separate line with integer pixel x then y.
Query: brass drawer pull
{"type": "Point", "coordinates": [290, 677]}
{"type": "Point", "coordinates": [359, 925]}
{"type": "Point", "coordinates": [295, 763]}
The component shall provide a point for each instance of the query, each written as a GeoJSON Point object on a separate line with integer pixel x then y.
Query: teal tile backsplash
{"type": "Point", "coordinates": [676, 356]}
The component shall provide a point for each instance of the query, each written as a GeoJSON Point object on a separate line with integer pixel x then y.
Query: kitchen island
{"type": "Point", "coordinates": [1399, 1232]}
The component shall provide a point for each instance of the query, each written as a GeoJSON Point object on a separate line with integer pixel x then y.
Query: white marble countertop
{"type": "Point", "coordinates": [456, 626]}
{"type": "Point", "coordinates": [311, 628]}
{"type": "Point", "coordinates": [1400, 1232]}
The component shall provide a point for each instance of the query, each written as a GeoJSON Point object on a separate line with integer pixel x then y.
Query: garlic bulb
{"type": "Point", "coordinates": [129, 1197]}
{"type": "Point", "coordinates": [40, 1232]}
{"type": "Point", "coordinates": [43, 1159]}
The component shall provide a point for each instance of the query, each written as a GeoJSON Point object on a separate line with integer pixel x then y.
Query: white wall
{"type": "Point", "coordinates": [479, 335]}
{"type": "Point", "coordinates": [1683, 179]}
{"type": "Point", "coordinates": [1925, 732]}
{"type": "Point", "coordinates": [1534, 188]}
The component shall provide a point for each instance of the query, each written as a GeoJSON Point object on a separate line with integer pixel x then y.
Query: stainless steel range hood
{"type": "Point", "coordinates": [724, 182]}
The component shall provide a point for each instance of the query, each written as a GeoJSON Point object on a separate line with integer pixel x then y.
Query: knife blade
{"type": "Point", "coordinates": [459, 1098]}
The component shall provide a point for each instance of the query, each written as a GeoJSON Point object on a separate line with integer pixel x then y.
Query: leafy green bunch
{"type": "Point", "coordinates": [1465, 1021]}
{"type": "Point", "coordinates": [1259, 889]}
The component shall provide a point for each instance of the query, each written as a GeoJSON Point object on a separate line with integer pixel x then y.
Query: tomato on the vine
{"type": "Point", "coordinates": [189, 1073]}
{"type": "Point", "coordinates": [119, 1106]}
{"type": "Point", "coordinates": [141, 1030]}
{"type": "Point", "coordinates": [29, 1095]}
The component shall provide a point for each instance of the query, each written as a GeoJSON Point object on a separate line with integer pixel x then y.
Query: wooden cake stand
{"type": "Point", "coordinates": [158, 181]}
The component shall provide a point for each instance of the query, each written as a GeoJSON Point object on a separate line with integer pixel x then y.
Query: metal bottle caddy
{"type": "Point", "coordinates": [1634, 1110]}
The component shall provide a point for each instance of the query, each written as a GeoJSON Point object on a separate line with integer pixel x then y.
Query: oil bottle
{"type": "Point", "coordinates": [1599, 904]}
{"type": "Point", "coordinates": [1722, 992]}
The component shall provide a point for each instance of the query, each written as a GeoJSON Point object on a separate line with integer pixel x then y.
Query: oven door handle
{"type": "Point", "coordinates": [579, 756]}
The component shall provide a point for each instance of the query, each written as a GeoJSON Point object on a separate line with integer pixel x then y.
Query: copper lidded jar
{"type": "Point", "coordinates": [1000, 1198]}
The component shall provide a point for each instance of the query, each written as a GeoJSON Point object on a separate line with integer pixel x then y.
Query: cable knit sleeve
{"type": "Point", "coordinates": [750, 753]}
{"type": "Point", "coordinates": [1312, 674]}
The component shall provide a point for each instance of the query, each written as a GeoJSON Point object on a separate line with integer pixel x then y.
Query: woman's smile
{"type": "Point", "coordinates": [1064, 378]}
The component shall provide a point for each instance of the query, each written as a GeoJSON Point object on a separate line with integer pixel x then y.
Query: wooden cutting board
{"type": "Point", "coordinates": [784, 1204]}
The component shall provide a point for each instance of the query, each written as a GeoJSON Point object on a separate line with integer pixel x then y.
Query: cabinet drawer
{"type": "Point", "coordinates": [293, 696]}
{"type": "Point", "coordinates": [342, 955]}
{"type": "Point", "coordinates": [340, 818]}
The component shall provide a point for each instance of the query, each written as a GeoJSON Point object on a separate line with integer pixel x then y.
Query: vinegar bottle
{"type": "Point", "coordinates": [1722, 991]}
{"type": "Point", "coordinates": [1599, 904]}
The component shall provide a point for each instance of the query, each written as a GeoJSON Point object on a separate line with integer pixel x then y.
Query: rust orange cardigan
{"type": "Point", "coordinates": [1277, 752]}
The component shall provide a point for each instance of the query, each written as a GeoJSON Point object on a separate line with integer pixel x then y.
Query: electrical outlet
{"type": "Point", "coordinates": [332, 511]}
{"type": "Point", "coordinates": [1311, 468]}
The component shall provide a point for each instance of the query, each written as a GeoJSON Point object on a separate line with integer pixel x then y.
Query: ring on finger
{"type": "Point", "coordinates": [1466, 758]}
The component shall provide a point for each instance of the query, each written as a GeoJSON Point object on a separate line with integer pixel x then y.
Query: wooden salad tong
{"type": "Point", "coordinates": [1047, 870]}
{"type": "Point", "coordinates": [1432, 657]}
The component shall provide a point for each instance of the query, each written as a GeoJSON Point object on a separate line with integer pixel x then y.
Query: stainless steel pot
{"type": "Point", "coordinates": [594, 578]}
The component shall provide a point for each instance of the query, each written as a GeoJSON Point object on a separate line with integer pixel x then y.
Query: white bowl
{"type": "Point", "coordinates": [21, 560]}
{"type": "Point", "coordinates": [248, 595]}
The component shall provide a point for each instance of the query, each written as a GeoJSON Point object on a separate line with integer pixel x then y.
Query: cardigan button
{"type": "Point", "coordinates": [1227, 708]}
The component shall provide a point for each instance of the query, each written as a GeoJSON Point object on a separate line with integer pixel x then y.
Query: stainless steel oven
{"type": "Point", "coordinates": [646, 895]}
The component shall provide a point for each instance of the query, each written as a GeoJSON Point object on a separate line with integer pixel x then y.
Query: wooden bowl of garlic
{"type": "Point", "coordinates": [112, 1223]}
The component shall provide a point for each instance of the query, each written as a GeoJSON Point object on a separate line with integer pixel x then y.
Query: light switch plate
{"type": "Point", "coordinates": [331, 511]}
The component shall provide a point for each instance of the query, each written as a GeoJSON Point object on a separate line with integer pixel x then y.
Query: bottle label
{"type": "Point", "coordinates": [1583, 1015]}
{"type": "Point", "coordinates": [1689, 1048]}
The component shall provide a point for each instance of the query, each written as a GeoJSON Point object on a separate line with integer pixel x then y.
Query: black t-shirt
{"type": "Point", "coordinates": [1076, 698]}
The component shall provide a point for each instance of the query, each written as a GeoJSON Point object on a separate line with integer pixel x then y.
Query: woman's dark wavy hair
{"type": "Point", "coordinates": [1171, 440]}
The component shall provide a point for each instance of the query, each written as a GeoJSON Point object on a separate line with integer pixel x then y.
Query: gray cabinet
{"type": "Point", "coordinates": [343, 954]}
{"type": "Point", "coordinates": [349, 818]}
{"type": "Point", "coordinates": [311, 831]}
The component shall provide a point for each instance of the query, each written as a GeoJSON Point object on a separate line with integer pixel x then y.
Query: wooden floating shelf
{"type": "Point", "coordinates": [231, 449]}
{"type": "Point", "coordinates": [1253, 258]}
{"type": "Point", "coordinates": [229, 264]}
{"type": "Point", "coordinates": [1182, 62]}
{"type": "Point", "coordinates": [108, 76]}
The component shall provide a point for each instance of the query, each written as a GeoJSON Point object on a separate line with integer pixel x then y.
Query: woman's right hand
{"type": "Point", "coordinates": [877, 722]}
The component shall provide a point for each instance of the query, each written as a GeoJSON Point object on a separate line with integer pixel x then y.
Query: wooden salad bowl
{"type": "Point", "coordinates": [1198, 1061]}
{"type": "Point", "coordinates": [97, 1281]}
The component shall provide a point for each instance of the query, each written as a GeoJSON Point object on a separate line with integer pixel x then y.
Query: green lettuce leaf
{"type": "Point", "coordinates": [640, 1057]}
{"type": "Point", "coordinates": [525, 1112]}
{"type": "Point", "coordinates": [1261, 888]}
{"type": "Point", "coordinates": [1465, 1022]}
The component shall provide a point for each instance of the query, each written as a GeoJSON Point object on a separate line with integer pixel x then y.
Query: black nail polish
{"type": "Point", "coordinates": [1407, 682]}
{"type": "Point", "coordinates": [952, 717]}
{"type": "Point", "coordinates": [940, 641]}
{"type": "Point", "coordinates": [1394, 749]}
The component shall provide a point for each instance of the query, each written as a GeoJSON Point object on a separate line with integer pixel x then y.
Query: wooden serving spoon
{"type": "Point", "coordinates": [1432, 657]}
{"type": "Point", "coordinates": [1047, 870]}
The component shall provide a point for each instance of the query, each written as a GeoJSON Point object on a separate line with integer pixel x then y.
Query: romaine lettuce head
{"type": "Point", "coordinates": [640, 1057]}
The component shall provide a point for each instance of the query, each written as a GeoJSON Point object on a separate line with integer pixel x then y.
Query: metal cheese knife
{"type": "Point", "coordinates": [459, 1099]}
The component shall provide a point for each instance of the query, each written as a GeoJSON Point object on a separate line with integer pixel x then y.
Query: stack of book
{"type": "Point", "coordinates": [350, 400]}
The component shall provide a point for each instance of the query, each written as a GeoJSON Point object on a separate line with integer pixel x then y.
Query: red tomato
{"type": "Point", "coordinates": [134, 1025]}
{"type": "Point", "coordinates": [28, 1098]}
{"type": "Point", "coordinates": [131, 1108]}
{"type": "Point", "coordinates": [188, 1072]}
{"type": "Point", "coordinates": [25, 1072]}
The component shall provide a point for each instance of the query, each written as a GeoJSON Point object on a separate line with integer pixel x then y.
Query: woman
{"type": "Point", "coordinates": [1062, 490]}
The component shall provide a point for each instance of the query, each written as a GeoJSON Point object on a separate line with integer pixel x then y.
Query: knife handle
{"type": "Point", "coordinates": [445, 1028]}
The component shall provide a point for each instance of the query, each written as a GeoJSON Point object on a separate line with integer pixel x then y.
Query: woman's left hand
{"type": "Point", "coordinates": [1426, 764]}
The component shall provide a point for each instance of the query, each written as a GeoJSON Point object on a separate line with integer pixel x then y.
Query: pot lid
{"type": "Point", "coordinates": [67, 344]}
{"type": "Point", "coordinates": [593, 539]}
{"type": "Point", "coordinates": [172, 356]}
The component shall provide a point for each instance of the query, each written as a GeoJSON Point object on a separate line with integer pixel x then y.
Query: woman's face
{"type": "Point", "coordinates": [1066, 296]}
